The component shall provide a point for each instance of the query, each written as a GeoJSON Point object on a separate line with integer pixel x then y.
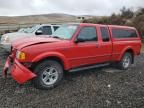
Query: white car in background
{"type": "Point", "coordinates": [43, 29]}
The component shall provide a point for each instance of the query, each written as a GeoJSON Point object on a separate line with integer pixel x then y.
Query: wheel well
{"type": "Point", "coordinates": [132, 53]}
{"type": "Point", "coordinates": [50, 58]}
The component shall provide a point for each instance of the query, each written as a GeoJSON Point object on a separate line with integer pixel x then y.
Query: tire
{"type": "Point", "coordinates": [49, 74]}
{"type": "Point", "coordinates": [125, 62]}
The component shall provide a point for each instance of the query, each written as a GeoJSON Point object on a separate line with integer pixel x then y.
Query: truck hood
{"type": "Point", "coordinates": [18, 44]}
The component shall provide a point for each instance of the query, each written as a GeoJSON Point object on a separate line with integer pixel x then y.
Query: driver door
{"type": "Point", "coordinates": [86, 49]}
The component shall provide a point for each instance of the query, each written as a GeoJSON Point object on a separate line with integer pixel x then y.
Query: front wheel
{"type": "Point", "coordinates": [125, 62]}
{"type": "Point", "coordinates": [49, 74]}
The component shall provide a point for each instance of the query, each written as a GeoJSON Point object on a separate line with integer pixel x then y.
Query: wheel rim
{"type": "Point", "coordinates": [49, 76]}
{"type": "Point", "coordinates": [126, 62]}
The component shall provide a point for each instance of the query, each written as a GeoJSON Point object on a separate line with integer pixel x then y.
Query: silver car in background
{"type": "Point", "coordinates": [42, 29]}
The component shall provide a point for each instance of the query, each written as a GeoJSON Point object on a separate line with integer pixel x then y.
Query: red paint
{"type": "Point", "coordinates": [20, 73]}
{"type": "Point", "coordinates": [72, 54]}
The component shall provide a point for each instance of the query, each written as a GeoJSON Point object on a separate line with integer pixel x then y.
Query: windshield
{"type": "Point", "coordinates": [65, 31]}
{"type": "Point", "coordinates": [21, 30]}
{"type": "Point", "coordinates": [31, 30]}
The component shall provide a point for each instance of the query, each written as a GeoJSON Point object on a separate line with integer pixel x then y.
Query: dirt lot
{"type": "Point", "coordinates": [100, 88]}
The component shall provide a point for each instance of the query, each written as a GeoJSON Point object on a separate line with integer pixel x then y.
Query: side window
{"type": "Point", "coordinates": [105, 34]}
{"type": "Point", "coordinates": [55, 27]}
{"type": "Point", "coordinates": [87, 34]}
{"type": "Point", "coordinates": [46, 30]}
{"type": "Point", "coordinates": [121, 33]}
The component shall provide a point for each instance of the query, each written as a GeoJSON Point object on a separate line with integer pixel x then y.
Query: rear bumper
{"type": "Point", "coordinates": [18, 72]}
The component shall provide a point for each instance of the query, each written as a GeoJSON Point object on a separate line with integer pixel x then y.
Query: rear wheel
{"type": "Point", "coordinates": [125, 62]}
{"type": "Point", "coordinates": [49, 74]}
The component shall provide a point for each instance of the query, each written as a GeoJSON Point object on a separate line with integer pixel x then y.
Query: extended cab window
{"type": "Point", "coordinates": [87, 34]}
{"type": "Point", "coordinates": [122, 33]}
{"type": "Point", "coordinates": [105, 34]}
{"type": "Point", "coordinates": [46, 30]}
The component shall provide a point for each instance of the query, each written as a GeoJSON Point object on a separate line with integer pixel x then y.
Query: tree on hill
{"type": "Point", "coordinates": [139, 23]}
{"type": "Point", "coordinates": [140, 11]}
{"type": "Point", "coordinates": [125, 17]}
{"type": "Point", "coordinates": [126, 13]}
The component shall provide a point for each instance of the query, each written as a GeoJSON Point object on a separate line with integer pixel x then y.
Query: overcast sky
{"type": "Point", "coordinates": [75, 7]}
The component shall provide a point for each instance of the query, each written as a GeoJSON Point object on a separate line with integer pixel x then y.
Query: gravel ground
{"type": "Point", "coordinates": [100, 88]}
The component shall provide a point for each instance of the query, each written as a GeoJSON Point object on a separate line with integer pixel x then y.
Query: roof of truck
{"type": "Point", "coordinates": [119, 26]}
{"type": "Point", "coordinates": [115, 26]}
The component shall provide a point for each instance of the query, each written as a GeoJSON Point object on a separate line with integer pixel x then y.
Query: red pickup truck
{"type": "Point", "coordinates": [72, 47]}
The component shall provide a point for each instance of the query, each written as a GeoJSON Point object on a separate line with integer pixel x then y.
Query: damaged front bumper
{"type": "Point", "coordinates": [19, 72]}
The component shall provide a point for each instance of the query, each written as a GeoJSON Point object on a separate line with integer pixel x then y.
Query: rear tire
{"type": "Point", "coordinates": [49, 74]}
{"type": "Point", "coordinates": [125, 62]}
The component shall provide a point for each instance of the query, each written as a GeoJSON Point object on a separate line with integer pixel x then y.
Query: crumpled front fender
{"type": "Point", "coordinates": [19, 72]}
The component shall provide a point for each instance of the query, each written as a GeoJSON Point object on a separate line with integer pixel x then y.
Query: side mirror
{"type": "Point", "coordinates": [39, 32]}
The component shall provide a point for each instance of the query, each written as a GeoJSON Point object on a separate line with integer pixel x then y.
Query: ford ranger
{"type": "Point", "coordinates": [72, 47]}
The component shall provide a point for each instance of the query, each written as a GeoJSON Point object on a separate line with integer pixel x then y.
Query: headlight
{"type": "Point", "coordinates": [20, 55]}
{"type": "Point", "coordinates": [5, 39]}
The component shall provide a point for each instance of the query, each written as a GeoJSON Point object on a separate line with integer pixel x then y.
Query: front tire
{"type": "Point", "coordinates": [49, 74]}
{"type": "Point", "coordinates": [125, 62]}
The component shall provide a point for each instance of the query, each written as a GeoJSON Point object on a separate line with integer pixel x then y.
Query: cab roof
{"type": "Point", "coordinates": [115, 26]}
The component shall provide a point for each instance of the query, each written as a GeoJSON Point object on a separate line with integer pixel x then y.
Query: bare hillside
{"type": "Point", "coordinates": [47, 18]}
